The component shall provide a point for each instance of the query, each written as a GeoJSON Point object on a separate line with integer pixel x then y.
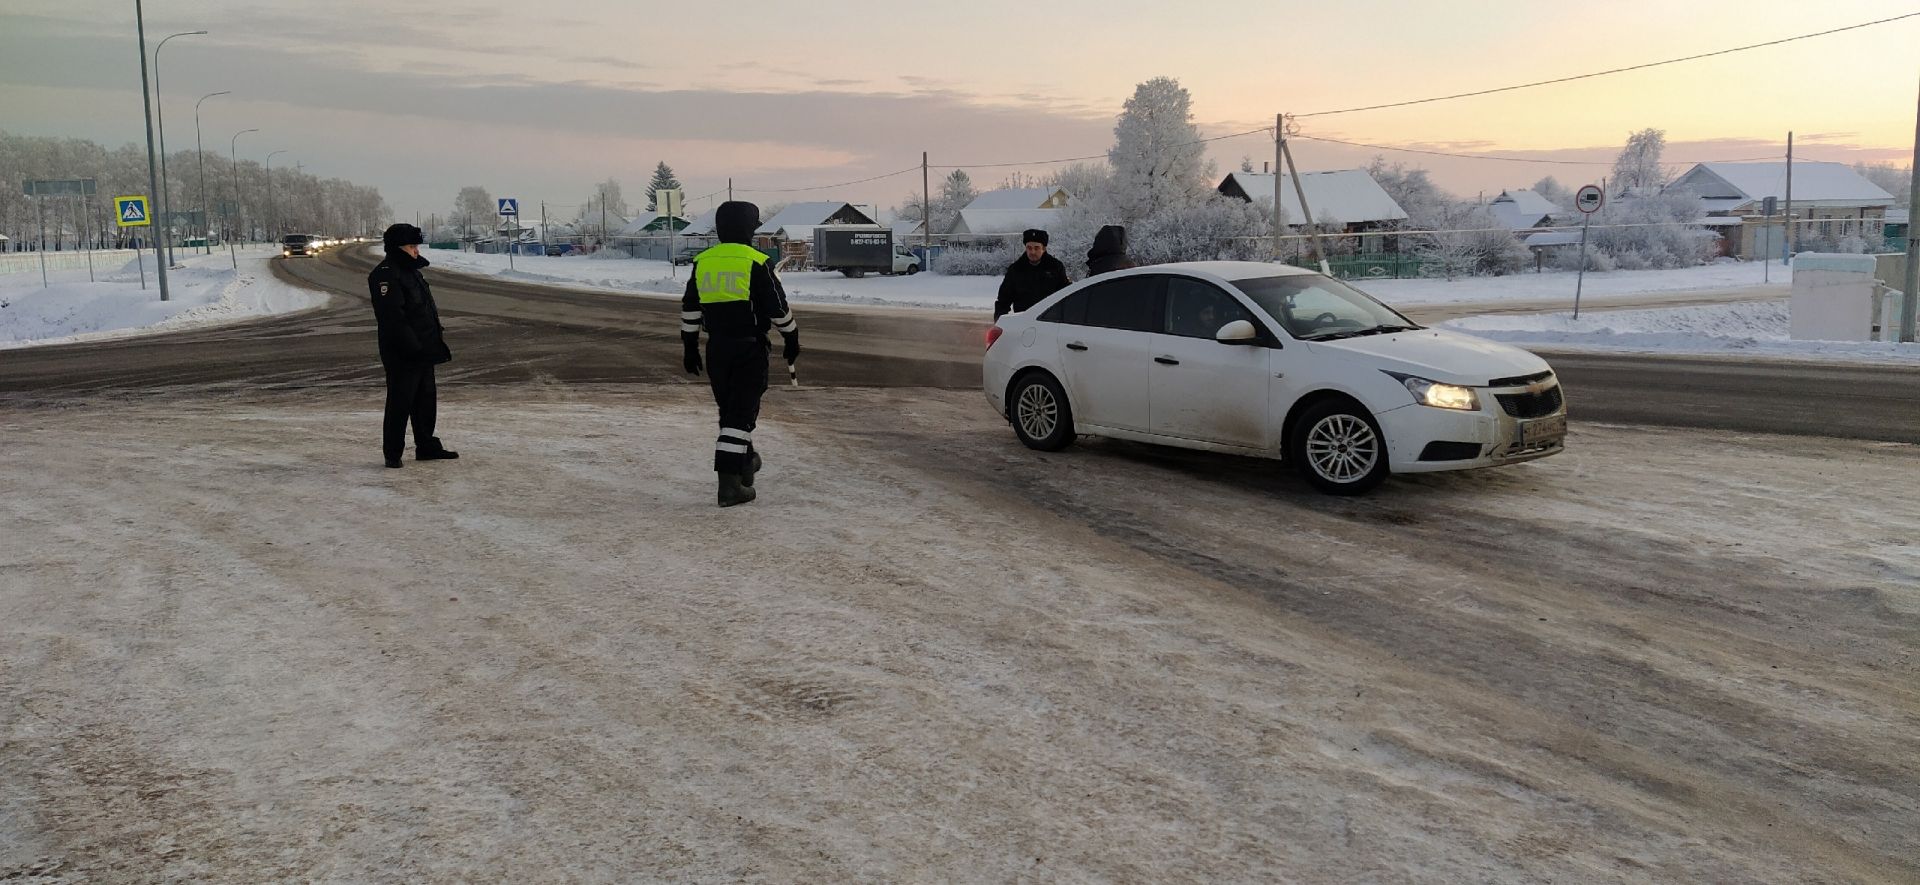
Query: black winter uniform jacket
{"type": "Point", "coordinates": [1028, 282]}
{"type": "Point", "coordinates": [410, 332]}
{"type": "Point", "coordinates": [765, 309]}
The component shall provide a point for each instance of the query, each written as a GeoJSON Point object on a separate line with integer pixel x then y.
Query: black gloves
{"type": "Point", "coordinates": [692, 358]}
{"type": "Point", "coordinates": [792, 351]}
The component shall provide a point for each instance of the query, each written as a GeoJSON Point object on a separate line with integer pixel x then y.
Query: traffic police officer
{"type": "Point", "coordinates": [410, 345]}
{"type": "Point", "coordinates": [736, 297]}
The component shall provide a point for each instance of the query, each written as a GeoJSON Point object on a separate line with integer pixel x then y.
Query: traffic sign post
{"type": "Point", "coordinates": [59, 187]}
{"type": "Point", "coordinates": [132, 212]}
{"type": "Point", "coordinates": [1588, 200]}
{"type": "Point", "coordinates": [510, 208]}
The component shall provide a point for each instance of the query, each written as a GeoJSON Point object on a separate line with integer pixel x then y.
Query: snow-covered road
{"type": "Point", "coordinates": [240, 650]}
{"type": "Point", "coordinates": [207, 290]}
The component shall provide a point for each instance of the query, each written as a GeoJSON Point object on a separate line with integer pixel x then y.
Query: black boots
{"type": "Point", "coordinates": [734, 491]}
{"type": "Point", "coordinates": [394, 462]}
{"type": "Point", "coordinates": [433, 451]}
{"type": "Point", "coordinates": [753, 467]}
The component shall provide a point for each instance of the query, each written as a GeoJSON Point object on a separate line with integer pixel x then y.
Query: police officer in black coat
{"type": "Point", "coordinates": [411, 344]}
{"type": "Point", "coordinates": [1031, 277]}
{"type": "Point", "coordinates": [734, 295]}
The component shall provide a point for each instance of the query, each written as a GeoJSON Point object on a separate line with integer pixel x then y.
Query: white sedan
{"type": "Point", "coordinates": [1271, 361]}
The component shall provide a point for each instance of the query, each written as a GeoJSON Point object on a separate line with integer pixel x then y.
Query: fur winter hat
{"type": "Point", "coordinates": [401, 234]}
{"type": "Point", "coordinates": [1034, 235]}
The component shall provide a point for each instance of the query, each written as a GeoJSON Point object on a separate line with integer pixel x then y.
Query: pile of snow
{"type": "Point", "coordinates": [1758, 328]}
{"type": "Point", "coordinates": [1724, 274]}
{"type": "Point", "coordinates": [640, 276]}
{"type": "Point", "coordinates": [207, 290]}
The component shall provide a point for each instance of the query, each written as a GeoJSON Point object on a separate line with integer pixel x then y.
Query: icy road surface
{"type": "Point", "coordinates": [239, 650]}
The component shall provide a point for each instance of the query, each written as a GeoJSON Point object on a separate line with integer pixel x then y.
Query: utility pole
{"type": "Point", "coordinates": [200, 150]}
{"type": "Point", "coordinates": [1910, 291]}
{"type": "Point", "coordinates": [1793, 237]}
{"type": "Point", "coordinates": [146, 101]}
{"type": "Point", "coordinates": [543, 227]}
{"type": "Point", "coordinates": [1313, 234]}
{"type": "Point", "coordinates": [729, 190]}
{"type": "Point", "coordinates": [926, 210]}
{"type": "Point", "coordinates": [1279, 213]}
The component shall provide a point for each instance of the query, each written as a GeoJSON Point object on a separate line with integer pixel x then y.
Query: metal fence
{"type": "Point", "coordinates": [29, 262]}
{"type": "Point", "coordinates": [1378, 266]}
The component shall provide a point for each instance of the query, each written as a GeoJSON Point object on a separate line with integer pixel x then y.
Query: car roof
{"type": "Point", "coordinates": [1225, 270]}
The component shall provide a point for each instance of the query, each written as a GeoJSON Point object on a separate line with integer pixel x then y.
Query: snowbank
{"type": "Point", "coordinates": [1560, 284]}
{"type": "Point", "coordinates": [1749, 328]}
{"type": "Point", "coordinates": [970, 292]}
{"type": "Point", "coordinates": [204, 292]}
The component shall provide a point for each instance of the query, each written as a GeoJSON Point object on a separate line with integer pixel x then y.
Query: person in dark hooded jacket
{"type": "Point", "coordinates": [735, 296]}
{"type": "Point", "coordinates": [1031, 277]}
{"type": "Point", "coordinates": [1109, 252]}
{"type": "Point", "coordinates": [411, 344]}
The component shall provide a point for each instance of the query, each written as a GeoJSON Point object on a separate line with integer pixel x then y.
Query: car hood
{"type": "Point", "coordinates": [1437, 355]}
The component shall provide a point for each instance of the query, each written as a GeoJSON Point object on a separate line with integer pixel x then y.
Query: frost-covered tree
{"type": "Point", "coordinates": [662, 180]}
{"type": "Point", "coordinates": [1423, 200]}
{"type": "Point", "coordinates": [1896, 180]}
{"type": "Point", "coordinates": [1651, 231]}
{"type": "Point", "coordinates": [474, 206]}
{"type": "Point", "coordinates": [1553, 190]}
{"type": "Point", "coordinates": [1246, 163]}
{"type": "Point", "coordinates": [1156, 158]}
{"type": "Point", "coordinates": [1211, 229]}
{"type": "Point", "coordinates": [956, 191]}
{"type": "Point", "coordinates": [1469, 241]}
{"type": "Point", "coordinates": [1637, 169]}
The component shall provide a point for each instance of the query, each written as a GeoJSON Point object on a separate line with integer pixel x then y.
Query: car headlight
{"type": "Point", "coordinates": [1427, 392]}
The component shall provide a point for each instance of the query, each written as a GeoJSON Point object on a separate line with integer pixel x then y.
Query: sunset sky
{"type": "Point", "coordinates": [541, 104]}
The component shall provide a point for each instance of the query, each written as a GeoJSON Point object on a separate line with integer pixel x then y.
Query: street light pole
{"type": "Point", "coordinates": [273, 212]}
{"type": "Point", "coordinates": [200, 151]}
{"type": "Point", "coordinates": [233, 181]}
{"type": "Point", "coordinates": [146, 101]}
{"type": "Point", "coordinates": [160, 111]}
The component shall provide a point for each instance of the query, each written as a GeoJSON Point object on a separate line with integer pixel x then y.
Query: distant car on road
{"type": "Point", "coordinates": [1269, 361]}
{"type": "Point", "coordinates": [299, 244]}
{"type": "Point", "coordinates": [687, 254]}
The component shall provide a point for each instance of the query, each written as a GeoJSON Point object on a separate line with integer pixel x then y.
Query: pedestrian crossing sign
{"type": "Point", "coordinates": [131, 211]}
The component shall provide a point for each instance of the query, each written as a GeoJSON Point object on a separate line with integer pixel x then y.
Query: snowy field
{"type": "Point", "coordinates": [1755, 328]}
{"type": "Point", "coordinates": [206, 291]}
{"type": "Point", "coordinates": [931, 655]}
{"type": "Point", "coordinates": [977, 293]}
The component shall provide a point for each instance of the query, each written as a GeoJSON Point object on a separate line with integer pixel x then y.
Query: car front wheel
{"type": "Point", "coordinates": [1041, 417]}
{"type": "Point", "coordinates": [1339, 449]}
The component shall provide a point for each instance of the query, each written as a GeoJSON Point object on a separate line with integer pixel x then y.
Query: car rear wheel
{"type": "Point", "coordinates": [1339, 449]}
{"type": "Point", "coordinates": [1041, 416]}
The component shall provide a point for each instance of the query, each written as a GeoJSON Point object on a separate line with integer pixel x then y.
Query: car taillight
{"type": "Point", "coordinates": [993, 334]}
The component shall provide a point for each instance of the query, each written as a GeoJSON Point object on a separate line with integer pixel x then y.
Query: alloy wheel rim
{"type": "Point", "coordinates": [1039, 412]}
{"type": "Point", "coordinates": [1342, 448]}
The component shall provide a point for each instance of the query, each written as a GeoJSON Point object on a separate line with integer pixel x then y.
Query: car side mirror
{"type": "Point", "coordinates": [1237, 332]}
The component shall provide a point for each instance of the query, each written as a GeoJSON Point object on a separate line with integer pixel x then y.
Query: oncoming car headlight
{"type": "Point", "coordinates": [1440, 396]}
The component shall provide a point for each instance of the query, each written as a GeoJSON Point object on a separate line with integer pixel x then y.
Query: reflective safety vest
{"type": "Point", "coordinates": [725, 272]}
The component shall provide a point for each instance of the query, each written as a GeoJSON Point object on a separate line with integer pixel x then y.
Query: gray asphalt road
{"type": "Point", "coordinates": [517, 332]}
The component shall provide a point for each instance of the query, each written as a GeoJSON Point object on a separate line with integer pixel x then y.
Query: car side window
{"type": "Point", "coordinates": [1197, 309]}
{"type": "Point", "coordinates": [1072, 310]}
{"type": "Point", "coordinates": [1129, 303]}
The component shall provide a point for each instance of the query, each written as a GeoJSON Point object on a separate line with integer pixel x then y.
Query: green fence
{"type": "Point", "coordinates": [1383, 266]}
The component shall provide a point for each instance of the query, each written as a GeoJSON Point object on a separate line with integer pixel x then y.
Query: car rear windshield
{"type": "Point", "coordinates": [1312, 306]}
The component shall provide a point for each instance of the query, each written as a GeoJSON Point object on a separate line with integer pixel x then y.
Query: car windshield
{"type": "Point", "coordinates": [297, 240]}
{"type": "Point", "coordinates": [1312, 307]}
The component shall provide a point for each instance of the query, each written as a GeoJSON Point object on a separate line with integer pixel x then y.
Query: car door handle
{"type": "Point", "coordinates": [1076, 346]}
{"type": "Point", "coordinates": [1166, 361]}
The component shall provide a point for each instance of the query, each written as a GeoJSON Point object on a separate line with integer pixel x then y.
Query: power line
{"type": "Point", "coordinates": [1382, 147]}
{"type": "Point", "coordinates": [821, 187]}
{"type": "Point", "coordinates": [1100, 156]}
{"type": "Point", "coordinates": [1651, 64]}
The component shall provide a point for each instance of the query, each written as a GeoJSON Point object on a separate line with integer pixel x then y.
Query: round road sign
{"type": "Point", "coordinates": [1589, 199]}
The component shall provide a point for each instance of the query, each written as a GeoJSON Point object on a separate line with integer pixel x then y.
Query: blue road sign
{"type": "Point", "coordinates": [509, 206]}
{"type": "Point", "coordinates": [132, 211]}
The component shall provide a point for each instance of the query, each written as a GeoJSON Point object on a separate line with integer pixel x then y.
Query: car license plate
{"type": "Point", "coordinates": [1543, 430]}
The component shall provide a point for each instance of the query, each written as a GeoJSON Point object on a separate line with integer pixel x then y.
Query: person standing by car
{"type": "Point", "coordinates": [411, 344]}
{"type": "Point", "coordinates": [735, 296]}
{"type": "Point", "coordinates": [1031, 277]}
{"type": "Point", "coordinates": [1109, 252]}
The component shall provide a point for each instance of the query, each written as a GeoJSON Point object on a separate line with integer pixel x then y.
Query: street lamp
{"type": "Point", "coordinates": [199, 148]}
{"type": "Point", "coordinates": [160, 112]}
{"type": "Point", "coordinates": [273, 211]}
{"type": "Point", "coordinates": [233, 181]}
